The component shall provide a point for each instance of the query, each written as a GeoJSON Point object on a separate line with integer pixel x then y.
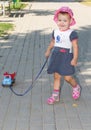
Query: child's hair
{"type": "Point", "coordinates": [64, 13]}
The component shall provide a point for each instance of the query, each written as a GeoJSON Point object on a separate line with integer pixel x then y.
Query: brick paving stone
{"type": "Point", "coordinates": [23, 52]}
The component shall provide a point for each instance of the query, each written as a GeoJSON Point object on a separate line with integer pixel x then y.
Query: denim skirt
{"type": "Point", "coordinates": [60, 62]}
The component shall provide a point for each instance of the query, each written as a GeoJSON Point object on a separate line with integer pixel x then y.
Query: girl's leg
{"type": "Point", "coordinates": [76, 88]}
{"type": "Point", "coordinates": [56, 92]}
{"type": "Point", "coordinates": [57, 79]}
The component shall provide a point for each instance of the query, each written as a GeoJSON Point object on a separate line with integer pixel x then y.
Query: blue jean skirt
{"type": "Point", "coordinates": [60, 62]}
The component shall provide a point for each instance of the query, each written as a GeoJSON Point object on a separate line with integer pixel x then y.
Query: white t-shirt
{"type": "Point", "coordinates": [64, 39]}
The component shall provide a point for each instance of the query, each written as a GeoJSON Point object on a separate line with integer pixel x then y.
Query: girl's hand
{"type": "Point", "coordinates": [48, 51]}
{"type": "Point", "coordinates": [74, 62]}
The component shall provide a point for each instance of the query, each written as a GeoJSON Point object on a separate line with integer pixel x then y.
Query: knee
{"type": "Point", "coordinates": [57, 77]}
{"type": "Point", "coordinates": [68, 79]}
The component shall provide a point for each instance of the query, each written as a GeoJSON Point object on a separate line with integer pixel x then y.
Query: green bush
{"type": "Point", "coordinates": [17, 6]}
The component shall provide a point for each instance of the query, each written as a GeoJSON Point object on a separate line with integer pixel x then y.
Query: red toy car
{"type": "Point", "coordinates": [9, 79]}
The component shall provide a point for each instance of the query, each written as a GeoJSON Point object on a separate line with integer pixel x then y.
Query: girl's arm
{"type": "Point", "coordinates": [48, 51]}
{"type": "Point", "coordinates": [75, 52]}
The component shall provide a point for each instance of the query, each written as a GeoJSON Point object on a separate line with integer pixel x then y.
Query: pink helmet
{"type": "Point", "coordinates": [65, 9]}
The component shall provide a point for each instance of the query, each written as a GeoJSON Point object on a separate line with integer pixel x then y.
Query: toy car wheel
{"type": "Point", "coordinates": [3, 85]}
{"type": "Point", "coordinates": [13, 81]}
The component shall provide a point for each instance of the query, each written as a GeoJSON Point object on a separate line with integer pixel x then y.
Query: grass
{"type": "Point", "coordinates": [86, 2]}
{"type": "Point", "coordinates": [5, 28]}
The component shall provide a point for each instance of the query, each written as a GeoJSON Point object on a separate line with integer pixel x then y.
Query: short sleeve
{"type": "Point", "coordinates": [73, 35]}
{"type": "Point", "coordinates": [53, 34]}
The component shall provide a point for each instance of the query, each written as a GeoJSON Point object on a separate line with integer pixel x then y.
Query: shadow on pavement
{"type": "Point", "coordinates": [16, 15]}
{"type": "Point", "coordinates": [24, 53]}
{"type": "Point", "coordinates": [11, 57]}
{"type": "Point", "coordinates": [41, 12]}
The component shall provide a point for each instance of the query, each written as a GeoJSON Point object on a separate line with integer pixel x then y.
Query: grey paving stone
{"type": "Point", "coordinates": [24, 52]}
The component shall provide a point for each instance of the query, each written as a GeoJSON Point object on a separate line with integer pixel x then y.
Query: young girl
{"type": "Point", "coordinates": [64, 46]}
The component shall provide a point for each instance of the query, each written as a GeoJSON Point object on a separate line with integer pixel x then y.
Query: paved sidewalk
{"type": "Point", "coordinates": [23, 52]}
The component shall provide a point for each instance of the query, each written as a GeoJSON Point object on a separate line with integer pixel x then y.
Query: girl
{"type": "Point", "coordinates": [64, 46]}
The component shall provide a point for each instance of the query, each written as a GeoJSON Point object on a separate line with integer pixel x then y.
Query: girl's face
{"type": "Point", "coordinates": [64, 21]}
